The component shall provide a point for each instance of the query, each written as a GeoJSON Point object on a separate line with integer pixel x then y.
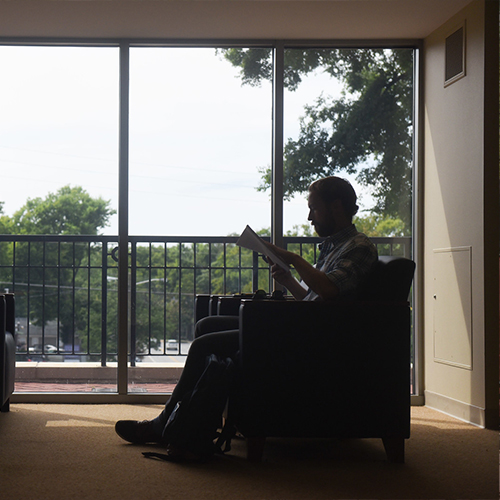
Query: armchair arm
{"type": "Point", "coordinates": [7, 349]}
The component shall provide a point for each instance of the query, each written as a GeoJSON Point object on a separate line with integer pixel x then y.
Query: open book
{"type": "Point", "coordinates": [251, 240]}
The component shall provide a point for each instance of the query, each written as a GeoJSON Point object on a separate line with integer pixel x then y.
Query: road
{"type": "Point", "coordinates": [171, 355]}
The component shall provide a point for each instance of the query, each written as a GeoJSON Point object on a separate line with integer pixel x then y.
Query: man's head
{"type": "Point", "coordinates": [332, 205]}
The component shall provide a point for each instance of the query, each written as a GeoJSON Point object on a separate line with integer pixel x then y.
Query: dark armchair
{"type": "Point", "coordinates": [7, 350]}
{"type": "Point", "coordinates": [328, 369]}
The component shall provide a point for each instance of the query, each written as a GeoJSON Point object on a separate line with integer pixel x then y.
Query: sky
{"type": "Point", "coordinates": [197, 136]}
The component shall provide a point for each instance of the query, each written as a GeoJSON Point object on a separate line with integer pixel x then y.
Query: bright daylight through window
{"type": "Point", "coordinates": [201, 123]}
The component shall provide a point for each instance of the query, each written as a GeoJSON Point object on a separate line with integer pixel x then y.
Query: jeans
{"type": "Point", "coordinates": [213, 335]}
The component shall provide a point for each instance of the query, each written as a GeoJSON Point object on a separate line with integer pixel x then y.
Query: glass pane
{"type": "Point", "coordinates": [197, 140]}
{"type": "Point", "coordinates": [350, 114]}
{"type": "Point", "coordinates": [58, 153]}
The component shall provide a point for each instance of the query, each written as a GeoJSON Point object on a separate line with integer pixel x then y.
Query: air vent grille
{"type": "Point", "coordinates": [455, 60]}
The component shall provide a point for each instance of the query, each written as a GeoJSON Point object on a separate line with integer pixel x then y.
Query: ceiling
{"type": "Point", "coordinates": [327, 19]}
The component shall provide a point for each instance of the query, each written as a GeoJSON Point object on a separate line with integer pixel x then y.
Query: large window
{"type": "Point", "coordinates": [206, 131]}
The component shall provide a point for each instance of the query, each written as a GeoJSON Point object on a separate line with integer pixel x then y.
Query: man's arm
{"type": "Point", "coordinates": [315, 279]}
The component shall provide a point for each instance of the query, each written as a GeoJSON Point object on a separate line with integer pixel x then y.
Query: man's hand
{"type": "Point", "coordinates": [314, 278]}
{"type": "Point", "coordinates": [284, 276]}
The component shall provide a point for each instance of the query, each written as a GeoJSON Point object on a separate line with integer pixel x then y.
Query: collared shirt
{"type": "Point", "coordinates": [346, 257]}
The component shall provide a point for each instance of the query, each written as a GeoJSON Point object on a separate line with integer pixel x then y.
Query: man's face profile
{"type": "Point", "coordinates": [321, 215]}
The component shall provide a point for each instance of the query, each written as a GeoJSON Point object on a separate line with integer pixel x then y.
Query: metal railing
{"type": "Point", "coordinates": [67, 292]}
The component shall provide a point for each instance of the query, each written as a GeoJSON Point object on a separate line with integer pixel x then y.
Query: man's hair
{"type": "Point", "coordinates": [333, 188]}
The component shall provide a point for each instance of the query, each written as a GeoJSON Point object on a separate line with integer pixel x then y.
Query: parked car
{"type": "Point", "coordinates": [172, 345]}
{"type": "Point", "coordinates": [39, 348]}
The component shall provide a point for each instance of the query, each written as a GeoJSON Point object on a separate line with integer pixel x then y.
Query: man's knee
{"type": "Point", "coordinates": [224, 343]}
{"type": "Point", "coordinates": [212, 324]}
{"type": "Point", "coordinates": [204, 325]}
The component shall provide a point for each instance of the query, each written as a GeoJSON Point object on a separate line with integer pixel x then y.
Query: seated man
{"type": "Point", "coordinates": [346, 257]}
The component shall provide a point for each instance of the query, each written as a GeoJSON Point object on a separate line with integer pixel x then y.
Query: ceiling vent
{"type": "Point", "coordinates": [455, 56]}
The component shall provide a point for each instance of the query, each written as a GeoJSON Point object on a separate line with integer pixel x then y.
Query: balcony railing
{"type": "Point", "coordinates": [67, 290]}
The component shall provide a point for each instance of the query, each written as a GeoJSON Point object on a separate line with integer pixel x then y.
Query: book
{"type": "Point", "coordinates": [251, 240]}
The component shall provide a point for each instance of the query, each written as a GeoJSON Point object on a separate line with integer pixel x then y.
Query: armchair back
{"type": "Point", "coordinates": [390, 279]}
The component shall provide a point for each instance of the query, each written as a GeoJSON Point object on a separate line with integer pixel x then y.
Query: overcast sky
{"type": "Point", "coordinates": [197, 136]}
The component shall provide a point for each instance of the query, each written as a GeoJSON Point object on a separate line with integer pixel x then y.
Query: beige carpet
{"type": "Point", "coordinates": [72, 452]}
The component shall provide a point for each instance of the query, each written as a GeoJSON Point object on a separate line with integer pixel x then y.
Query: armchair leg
{"type": "Point", "coordinates": [255, 448]}
{"type": "Point", "coordinates": [395, 449]}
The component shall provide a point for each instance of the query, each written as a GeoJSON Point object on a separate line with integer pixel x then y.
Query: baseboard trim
{"type": "Point", "coordinates": [457, 409]}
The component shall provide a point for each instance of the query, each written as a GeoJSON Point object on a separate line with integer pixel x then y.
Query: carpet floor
{"type": "Point", "coordinates": [72, 452]}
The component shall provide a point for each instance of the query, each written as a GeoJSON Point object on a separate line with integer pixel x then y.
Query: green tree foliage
{"type": "Point", "coordinates": [367, 131]}
{"type": "Point", "coordinates": [70, 210]}
{"type": "Point", "coordinates": [5, 228]}
{"type": "Point", "coordinates": [5, 221]}
{"type": "Point", "coordinates": [164, 295]}
{"type": "Point", "coordinates": [56, 271]}
{"type": "Point", "coordinates": [380, 226]}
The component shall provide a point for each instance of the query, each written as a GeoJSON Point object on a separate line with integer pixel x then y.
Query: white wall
{"type": "Point", "coordinates": [455, 172]}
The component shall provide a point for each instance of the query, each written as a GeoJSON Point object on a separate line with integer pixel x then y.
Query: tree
{"type": "Point", "coordinates": [5, 221]}
{"type": "Point", "coordinates": [379, 226]}
{"type": "Point", "coordinates": [5, 248]}
{"type": "Point", "coordinates": [71, 210]}
{"type": "Point", "coordinates": [367, 131]}
{"type": "Point", "coordinates": [49, 267]}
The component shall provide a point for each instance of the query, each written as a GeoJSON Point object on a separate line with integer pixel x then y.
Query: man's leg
{"type": "Point", "coordinates": [212, 324]}
{"type": "Point", "coordinates": [224, 344]}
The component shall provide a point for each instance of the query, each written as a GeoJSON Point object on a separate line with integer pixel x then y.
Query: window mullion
{"type": "Point", "coordinates": [278, 127]}
{"type": "Point", "coordinates": [123, 198]}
